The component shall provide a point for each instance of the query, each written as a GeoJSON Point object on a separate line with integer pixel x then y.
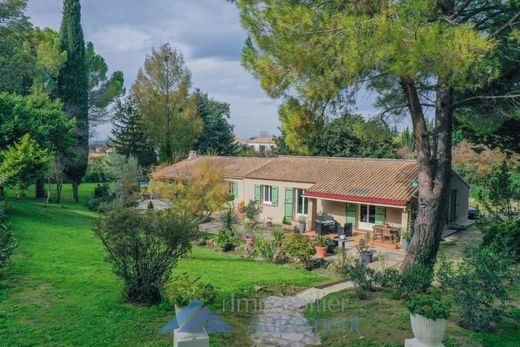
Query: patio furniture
{"type": "Point", "coordinates": [377, 232]}
{"type": "Point", "coordinates": [346, 230]}
{"type": "Point", "coordinates": [390, 233]}
{"type": "Point", "coordinates": [341, 242]}
{"type": "Point", "coordinates": [362, 246]}
{"type": "Point", "coordinates": [325, 225]}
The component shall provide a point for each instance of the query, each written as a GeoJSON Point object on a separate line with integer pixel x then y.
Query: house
{"type": "Point", "coordinates": [263, 145]}
{"type": "Point", "coordinates": [364, 192]}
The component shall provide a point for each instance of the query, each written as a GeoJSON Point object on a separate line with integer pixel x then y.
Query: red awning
{"type": "Point", "coordinates": [399, 203]}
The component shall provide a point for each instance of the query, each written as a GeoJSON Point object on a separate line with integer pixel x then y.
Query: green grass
{"type": "Point", "coordinates": [385, 322]}
{"type": "Point", "coordinates": [60, 291]}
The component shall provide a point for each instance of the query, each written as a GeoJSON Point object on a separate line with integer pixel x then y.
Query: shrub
{"type": "Point", "coordinates": [228, 219]}
{"type": "Point", "coordinates": [388, 278]}
{"type": "Point", "coordinates": [182, 290]}
{"type": "Point", "coordinates": [340, 265]}
{"type": "Point", "coordinates": [299, 246]}
{"type": "Point", "coordinates": [362, 276]}
{"type": "Point", "coordinates": [265, 248]}
{"type": "Point", "coordinates": [253, 210]}
{"type": "Point", "coordinates": [416, 279]}
{"type": "Point", "coordinates": [479, 285]}
{"type": "Point", "coordinates": [7, 243]}
{"type": "Point", "coordinates": [144, 247]}
{"type": "Point", "coordinates": [429, 306]}
{"type": "Point", "coordinates": [150, 205]}
{"type": "Point", "coordinates": [226, 240]}
{"type": "Point", "coordinates": [321, 241]}
{"type": "Point", "coordinates": [102, 198]}
{"type": "Point", "coordinates": [502, 235]}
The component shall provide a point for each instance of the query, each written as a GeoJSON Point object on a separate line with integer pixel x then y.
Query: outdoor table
{"type": "Point", "coordinates": [341, 242]}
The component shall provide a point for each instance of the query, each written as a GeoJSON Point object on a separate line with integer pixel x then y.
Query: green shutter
{"type": "Point", "coordinates": [380, 215]}
{"type": "Point", "coordinates": [351, 214]}
{"type": "Point", "coordinates": [288, 204]}
{"type": "Point", "coordinates": [274, 193]}
{"type": "Point", "coordinates": [257, 193]}
{"type": "Point", "coordinates": [235, 190]}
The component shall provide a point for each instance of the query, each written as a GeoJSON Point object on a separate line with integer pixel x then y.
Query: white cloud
{"type": "Point", "coordinates": [121, 38]}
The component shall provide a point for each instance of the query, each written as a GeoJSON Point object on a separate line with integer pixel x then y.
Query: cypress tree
{"type": "Point", "coordinates": [129, 136]}
{"type": "Point", "coordinates": [73, 90]}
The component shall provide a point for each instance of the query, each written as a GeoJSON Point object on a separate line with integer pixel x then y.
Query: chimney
{"type": "Point", "coordinates": [192, 155]}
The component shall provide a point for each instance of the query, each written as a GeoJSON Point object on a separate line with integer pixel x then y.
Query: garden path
{"type": "Point", "coordinates": [281, 322]}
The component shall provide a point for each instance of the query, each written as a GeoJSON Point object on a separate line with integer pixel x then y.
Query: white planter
{"type": "Point", "coordinates": [427, 332]}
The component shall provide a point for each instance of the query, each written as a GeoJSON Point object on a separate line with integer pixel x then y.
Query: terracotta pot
{"type": "Point", "coordinates": [321, 251]}
{"type": "Point", "coordinates": [250, 240]}
{"type": "Point", "coordinates": [428, 331]}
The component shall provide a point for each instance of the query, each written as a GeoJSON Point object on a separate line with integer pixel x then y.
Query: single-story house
{"type": "Point", "coordinates": [361, 191]}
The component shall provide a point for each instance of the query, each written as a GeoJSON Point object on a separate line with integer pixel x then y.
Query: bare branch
{"type": "Point", "coordinates": [486, 97]}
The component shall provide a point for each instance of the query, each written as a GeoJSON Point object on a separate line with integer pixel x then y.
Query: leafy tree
{"type": "Point", "coordinates": [103, 91]}
{"type": "Point", "coordinates": [162, 98]}
{"type": "Point", "coordinates": [499, 201]}
{"type": "Point", "coordinates": [126, 174]}
{"type": "Point", "coordinates": [129, 134]}
{"type": "Point", "coordinates": [143, 248]}
{"type": "Point", "coordinates": [16, 62]}
{"type": "Point", "coordinates": [40, 117]}
{"type": "Point", "coordinates": [22, 163]}
{"type": "Point", "coordinates": [217, 134]}
{"type": "Point", "coordinates": [352, 136]}
{"type": "Point", "coordinates": [446, 57]}
{"type": "Point", "coordinates": [73, 88]}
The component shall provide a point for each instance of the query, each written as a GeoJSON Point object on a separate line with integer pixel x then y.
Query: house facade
{"type": "Point", "coordinates": [364, 192]}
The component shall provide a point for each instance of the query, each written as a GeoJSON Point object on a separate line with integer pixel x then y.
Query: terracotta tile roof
{"type": "Point", "coordinates": [261, 140]}
{"type": "Point", "coordinates": [371, 180]}
{"type": "Point", "coordinates": [234, 167]}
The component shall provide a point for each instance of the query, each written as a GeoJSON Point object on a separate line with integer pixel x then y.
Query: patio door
{"type": "Point", "coordinates": [367, 216]}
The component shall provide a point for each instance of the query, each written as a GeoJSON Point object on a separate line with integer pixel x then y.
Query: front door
{"type": "Point", "coordinates": [367, 217]}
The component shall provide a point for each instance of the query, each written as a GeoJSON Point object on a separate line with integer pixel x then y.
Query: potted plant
{"type": "Point", "coordinates": [365, 253]}
{"type": "Point", "coordinates": [321, 245]}
{"type": "Point", "coordinates": [405, 239]}
{"type": "Point", "coordinates": [302, 221]}
{"type": "Point", "coordinates": [428, 314]}
{"type": "Point", "coordinates": [249, 229]}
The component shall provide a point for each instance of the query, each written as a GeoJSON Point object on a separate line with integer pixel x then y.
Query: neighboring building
{"type": "Point", "coordinates": [100, 152]}
{"type": "Point", "coordinates": [263, 145]}
{"type": "Point", "coordinates": [364, 192]}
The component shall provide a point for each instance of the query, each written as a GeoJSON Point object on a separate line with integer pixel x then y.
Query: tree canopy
{"type": "Point", "coordinates": [441, 58]}
{"type": "Point", "coordinates": [217, 134]}
{"type": "Point", "coordinates": [162, 97]}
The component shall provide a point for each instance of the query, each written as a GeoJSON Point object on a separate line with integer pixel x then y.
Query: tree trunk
{"type": "Point", "coordinates": [40, 188]}
{"type": "Point", "coordinates": [2, 193]}
{"type": "Point", "coordinates": [59, 185]}
{"type": "Point", "coordinates": [434, 175]}
{"type": "Point", "coordinates": [75, 192]}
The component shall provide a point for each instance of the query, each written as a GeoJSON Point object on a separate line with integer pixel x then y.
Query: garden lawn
{"type": "Point", "coordinates": [60, 291]}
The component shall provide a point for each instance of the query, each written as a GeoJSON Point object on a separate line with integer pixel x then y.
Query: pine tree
{"type": "Point", "coordinates": [129, 134]}
{"type": "Point", "coordinates": [217, 134]}
{"type": "Point", "coordinates": [73, 90]}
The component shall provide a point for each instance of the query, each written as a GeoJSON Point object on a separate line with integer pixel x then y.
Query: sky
{"type": "Point", "coordinates": [207, 32]}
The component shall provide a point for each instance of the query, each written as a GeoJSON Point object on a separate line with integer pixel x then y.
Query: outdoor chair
{"type": "Point", "coordinates": [378, 233]}
{"type": "Point", "coordinates": [387, 235]}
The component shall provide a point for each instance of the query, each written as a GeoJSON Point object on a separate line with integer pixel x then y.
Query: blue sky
{"type": "Point", "coordinates": [208, 33]}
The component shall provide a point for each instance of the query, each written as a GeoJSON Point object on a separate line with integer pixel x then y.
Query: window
{"type": "Point", "coordinates": [302, 203]}
{"type": "Point", "coordinates": [268, 194]}
{"type": "Point", "coordinates": [367, 214]}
